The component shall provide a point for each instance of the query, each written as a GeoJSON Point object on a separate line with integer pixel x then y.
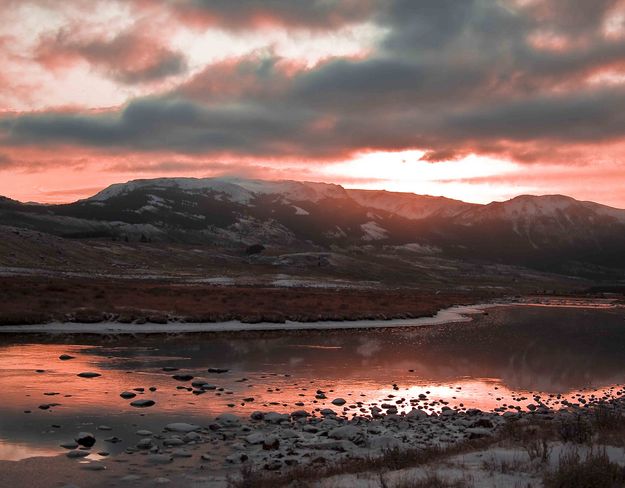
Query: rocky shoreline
{"type": "Point", "coordinates": [274, 443]}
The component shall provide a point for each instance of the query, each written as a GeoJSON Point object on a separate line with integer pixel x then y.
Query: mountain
{"type": "Point", "coordinates": [554, 232]}
{"type": "Point", "coordinates": [409, 205]}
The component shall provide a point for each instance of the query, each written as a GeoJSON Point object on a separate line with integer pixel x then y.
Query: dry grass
{"type": "Point", "coordinates": [391, 460]}
{"type": "Point", "coordinates": [95, 300]}
{"type": "Point", "coordinates": [594, 471]}
{"type": "Point", "coordinates": [432, 480]}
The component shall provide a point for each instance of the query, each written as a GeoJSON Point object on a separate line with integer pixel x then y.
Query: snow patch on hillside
{"type": "Point", "coordinates": [373, 231]}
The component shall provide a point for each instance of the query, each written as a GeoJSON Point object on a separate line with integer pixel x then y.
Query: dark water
{"type": "Point", "coordinates": [501, 359]}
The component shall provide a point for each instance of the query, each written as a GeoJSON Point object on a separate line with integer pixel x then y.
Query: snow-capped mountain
{"type": "Point", "coordinates": [409, 205]}
{"type": "Point", "coordinates": [529, 208]}
{"type": "Point", "coordinates": [553, 231]}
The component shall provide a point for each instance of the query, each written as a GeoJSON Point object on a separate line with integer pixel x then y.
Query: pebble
{"type": "Point", "coordinates": [75, 454]}
{"type": "Point", "coordinates": [142, 403]}
{"type": "Point", "coordinates": [88, 374]}
{"type": "Point", "coordinates": [181, 427]}
{"type": "Point", "coordinates": [86, 439]}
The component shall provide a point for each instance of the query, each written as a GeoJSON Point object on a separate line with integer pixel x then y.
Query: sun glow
{"type": "Point", "coordinates": [405, 172]}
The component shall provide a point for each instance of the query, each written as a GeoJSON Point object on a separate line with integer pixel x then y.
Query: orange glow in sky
{"type": "Point", "coordinates": [379, 95]}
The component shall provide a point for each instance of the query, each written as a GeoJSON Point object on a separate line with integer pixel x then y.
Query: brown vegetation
{"type": "Point", "coordinates": [37, 300]}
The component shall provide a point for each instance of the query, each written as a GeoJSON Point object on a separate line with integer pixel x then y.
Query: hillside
{"type": "Point", "coordinates": [551, 233]}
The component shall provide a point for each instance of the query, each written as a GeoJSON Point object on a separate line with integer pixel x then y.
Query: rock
{"type": "Point", "coordinates": [113, 440]}
{"type": "Point", "coordinates": [383, 443]}
{"type": "Point", "coordinates": [205, 457]}
{"type": "Point", "coordinates": [144, 432]}
{"type": "Point", "coordinates": [339, 401]}
{"type": "Point", "coordinates": [416, 414]}
{"type": "Point", "coordinates": [182, 427]}
{"type": "Point", "coordinates": [257, 415]}
{"type": "Point", "coordinates": [66, 357]}
{"type": "Point", "coordinates": [181, 453]}
{"type": "Point", "coordinates": [349, 433]}
{"type": "Point", "coordinates": [191, 437]}
{"type": "Point", "coordinates": [276, 418]}
{"type": "Point", "coordinates": [127, 395]}
{"type": "Point", "coordinates": [236, 458]}
{"type": "Point", "coordinates": [173, 441]}
{"type": "Point", "coordinates": [95, 466]}
{"type": "Point", "coordinates": [182, 377]}
{"type": "Point", "coordinates": [298, 414]}
{"type": "Point", "coordinates": [255, 438]}
{"type": "Point", "coordinates": [69, 445]}
{"type": "Point", "coordinates": [85, 439]}
{"type": "Point", "coordinates": [159, 458]}
{"type": "Point", "coordinates": [89, 374]}
{"type": "Point", "coordinates": [145, 443]}
{"type": "Point", "coordinates": [271, 443]}
{"type": "Point", "coordinates": [228, 420]}
{"type": "Point", "coordinates": [478, 433]}
{"type": "Point", "coordinates": [104, 427]}
{"type": "Point", "coordinates": [142, 403]}
{"type": "Point", "coordinates": [337, 445]}
{"type": "Point", "coordinates": [130, 477]}
{"type": "Point", "coordinates": [169, 368]}
{"type": "Point", "coordinates": [218, 370]}
{"type": "Point", "coordinates": [328, 423]}
{"type": "Point", "coordinates": [484, 423]}
{"type": "Point", "coordinates": [75, 454]}
{"type": "Point", "coordinates": [327, 412]}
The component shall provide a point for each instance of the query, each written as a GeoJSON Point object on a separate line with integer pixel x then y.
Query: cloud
{"type": "Point", "coordinates": [514, 79]}
{"type": "Point", "coordinates": [246, 14]}
{"type": "Point", "coordinates": [130, 57]}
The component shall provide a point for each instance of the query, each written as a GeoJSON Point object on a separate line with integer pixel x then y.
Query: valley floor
{"type": "Point", "coordinates": [37, 299]}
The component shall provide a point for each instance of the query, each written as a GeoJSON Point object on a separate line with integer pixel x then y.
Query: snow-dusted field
{"type": "Point", "coordinates": [450, 315]}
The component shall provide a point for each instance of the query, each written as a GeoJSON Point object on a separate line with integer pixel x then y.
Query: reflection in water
{"type": "Point", "coordinates": [488, 363]}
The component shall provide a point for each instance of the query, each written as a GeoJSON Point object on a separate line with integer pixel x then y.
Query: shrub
{"type": "Point", "coordinates": [595, 471]}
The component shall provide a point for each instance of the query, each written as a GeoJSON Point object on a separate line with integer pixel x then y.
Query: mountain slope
{"type": "Point", "coordinates": [551, 232]}
{"type": "Point", "coordinates": [409, 205]}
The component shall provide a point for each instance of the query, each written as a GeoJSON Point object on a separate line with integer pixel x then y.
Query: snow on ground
{"type": "Point", "coordinates": [495, 467]}
{"type": "Point", "coordinates": [449, 315]}
{"type": "Point", "coordinates": [373, 231]}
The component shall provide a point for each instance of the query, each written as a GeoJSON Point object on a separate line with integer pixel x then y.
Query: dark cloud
{"type": "Point", "coordinates": [131, 57]}
{"type": "Point", "coordinates": [451, 77]}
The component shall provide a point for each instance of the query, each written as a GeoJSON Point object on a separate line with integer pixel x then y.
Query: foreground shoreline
{"type": "Point", "coordinates": [448, 315]}
{"type": "Point", "coordinates": [453, 314]}
{"type": "Point", "coordinates": [326, 448]}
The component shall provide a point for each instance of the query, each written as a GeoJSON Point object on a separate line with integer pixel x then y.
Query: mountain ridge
{"type": "Point", "coordinates": [544, 231]}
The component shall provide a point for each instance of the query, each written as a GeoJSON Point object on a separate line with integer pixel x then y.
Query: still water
{"type": "Point", "coordinates": [505, 359]}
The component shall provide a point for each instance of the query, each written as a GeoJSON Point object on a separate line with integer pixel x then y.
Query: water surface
{"type": "Point", "coordinates": [505, 359]}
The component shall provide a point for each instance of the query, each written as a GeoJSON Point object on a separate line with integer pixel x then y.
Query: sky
{"type": "Point", "coordinates": [478, 100]}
